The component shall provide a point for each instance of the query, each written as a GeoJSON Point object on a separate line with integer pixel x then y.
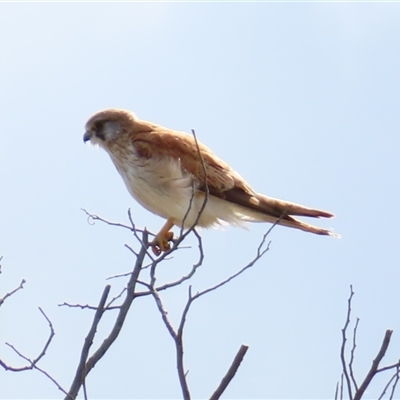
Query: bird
{"type": "Point", "coordinates": [175, 176]}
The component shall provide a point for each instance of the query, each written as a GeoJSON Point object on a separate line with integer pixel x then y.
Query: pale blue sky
{"type": "Point", "coordinates": [302, 99]}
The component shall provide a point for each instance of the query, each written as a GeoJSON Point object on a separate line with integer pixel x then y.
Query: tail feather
{"type": "Point", "coordinates": [285, 207]}
{"type": "Point", "coordinates": [297, 224]}
{"type": "Point", "coordinates": [257, 207]}
{"type": "Point", "coordinates": [288, 209]}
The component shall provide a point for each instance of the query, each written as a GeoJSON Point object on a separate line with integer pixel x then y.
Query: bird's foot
{"type": "Point", "coordinates": [161, 242]}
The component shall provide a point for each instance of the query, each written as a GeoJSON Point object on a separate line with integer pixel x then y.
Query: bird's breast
{"type": "Point", "coordinates": [158, 183]}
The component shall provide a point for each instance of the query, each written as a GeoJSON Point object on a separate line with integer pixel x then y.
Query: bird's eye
{"type": "Point", "coordinates": [98, 125]}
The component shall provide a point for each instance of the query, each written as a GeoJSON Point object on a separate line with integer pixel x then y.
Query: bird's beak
{"type": "Point", "coordinates": [86, 136]}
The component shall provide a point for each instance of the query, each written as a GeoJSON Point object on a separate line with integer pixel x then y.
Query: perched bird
{"type": "Point", "coordinates": [169, 173]}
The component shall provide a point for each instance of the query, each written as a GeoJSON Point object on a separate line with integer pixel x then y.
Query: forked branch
{"type": "Point", "coordinates": [348, 372]}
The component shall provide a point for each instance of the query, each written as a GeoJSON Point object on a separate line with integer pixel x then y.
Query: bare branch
{"type": "Point", "coordinates": [353, 349]}
{"type": "Point", "coordinates": [81, 371]}
{"type": "Point", "coordinates": [179, 337]}
{"type": "Point", "coordinates": [33, 363]}
{"type": "Point", "coordinates": [183, 278]}
{"type": "Point", "coordinates": [179, 348]}
{"type": "Point", "coordinates": [375, 364]}
{"type": "Point", "coordinates": [343, 347]}
{"type": "Point", "coordinates": [21, 286]}
{"type": "Point", "coordinates": [81, 306]}
{"type": "Point", "coordinates": [132, 251]}
{"type": "Point", "coordinates": [396, 381]}
{"type": "Point", "coordinates": [206, 194]}
{"type": "Point", "coordinates": [163, 312]}
{"type": "Point", "coordinates": [393, 379]}
{"type": "Point", "coordinates": [231, 372]}
{"type": "Point", "coordinates": [109, 307]}
{"type": "Point", "coordinates": [260, 252]}
{"type": "Point", "coordinates": [84, 390]}
{"type": "Point", "coordinates": [92, 218]}
{"type": "Point", "coordinates": [176, 336]}
{"type": "Point", "coordinates": [115, 330]}
{"type": "Point", "coordinates": [40, 355]}
{"type": "Point", "coordinates": [144, 243]}
{"type": "Point", "coordinates": [397, 365]}
{"type": "Point", "coordinates": [341, 386]}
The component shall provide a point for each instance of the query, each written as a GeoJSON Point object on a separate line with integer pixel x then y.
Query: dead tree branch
{"type": "Point", "coordinates": [81, 371]}
{"type": "Point", "coordinates": [85, 367]}
{"type": "Point", "coordinates": [347, 369]}
{"type": "Point", "coordinates": [21, 286]}
{"type": "Point", "coordinates": [393, 381]}
{"type": "Point", "coordinates": [375, 364]}
{"type": "Point", "coordinates": [343, 347]}
{"type": "Point", "coordinates": [177, 334]}
{"type": "Point", "coordinates": [32, 363]}
{"type": "Point", "coordinates": [226, 380]}
{"type": "Point", "coordinates": [352, 354]}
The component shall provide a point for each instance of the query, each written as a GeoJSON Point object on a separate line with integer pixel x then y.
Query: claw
{"type": "Point", "coordinates": [161, 242]}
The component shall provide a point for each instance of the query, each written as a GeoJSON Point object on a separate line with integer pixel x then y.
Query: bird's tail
{"type": "Point", "coordinates": [281, 212]}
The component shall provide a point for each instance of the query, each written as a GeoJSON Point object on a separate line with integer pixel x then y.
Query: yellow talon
{"type": "Point", "coordinates": [162, 239]}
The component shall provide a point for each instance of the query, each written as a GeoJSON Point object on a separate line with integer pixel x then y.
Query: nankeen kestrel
{"type": "Point", "coordinates": [164, 172]}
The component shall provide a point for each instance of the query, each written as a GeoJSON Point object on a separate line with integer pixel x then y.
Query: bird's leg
{"type": "Point", "coordinates": [162, 239]}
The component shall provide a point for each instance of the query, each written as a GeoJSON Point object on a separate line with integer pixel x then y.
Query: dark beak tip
{"type": "Point", "coordinates": [86, 137]}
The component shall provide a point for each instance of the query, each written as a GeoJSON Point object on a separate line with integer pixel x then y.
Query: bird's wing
{"type": "Point", "coordinates": [207, 169]}
{"type": "Point", "coordinates": [152, 140]}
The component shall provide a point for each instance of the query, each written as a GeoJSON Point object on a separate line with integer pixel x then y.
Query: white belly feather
{"type": "Point", "coordinates": [160, 185]}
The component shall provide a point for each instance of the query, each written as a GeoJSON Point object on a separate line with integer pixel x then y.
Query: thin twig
{"type": "Point", "coordinates": [206, 189]}
{"type": "Point", "coordinates": [343, 347]}
{"type": "Point", "coordinates": [342, 386]}
{"type": "Point", "coordinates": [92, 218]}
{"type": "Point", "coordinates": [108, 306]}
{"type": "Point", "coordinates": [40, 355]}
{"type": "Point", "coordinates": [163, 312]}
{"type": "Point", "coordinates": [21, 286]}
{"type": "Point", "coordinates": [337, 390]}
{"type": "Point", "coordinates": [131, 250]}
{"type": "Point", "coordinates": [182, 235]}
{"type": "Point", "coordinates": [396, 381]}
{"type": "Point", "coordinates": [353, 349]}
{"type": "Point", "coordinates": [397, 365]}
{"type": "Point", "coordinates": [260, 253]}
{"type": "Point", "coordinates": [144, 243]}
{"type": "Point", "coordinates": [81, 306]}
{"type": "Point", "coordinates": [33, 363]}
{"type": "Point", "coordinates": [183, 278]}
{"type": "Point", "coordinates": [179, 349]}
{"type": "Point", "coordinates": [392, 379]}
{"type": "Point", "coordinates": [84, 390]}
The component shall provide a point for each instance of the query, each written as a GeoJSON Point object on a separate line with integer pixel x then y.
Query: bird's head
{"type": "Point", "coordinates": [106, 126]}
